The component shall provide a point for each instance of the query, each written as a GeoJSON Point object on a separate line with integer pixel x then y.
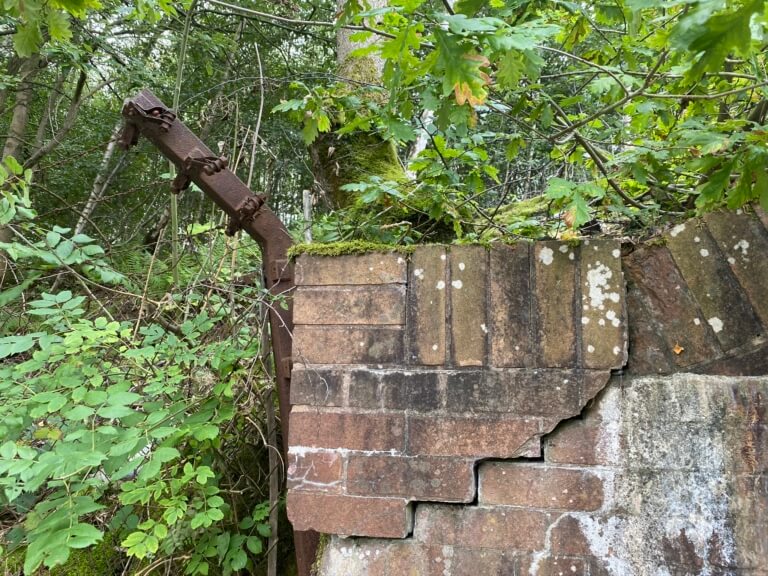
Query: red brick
{"type": "Point", "coordinates": [348, 345]}
{"type": "Point", "coordinates": [350, 515]}
{"type": "Point", "coordinates": [567, 538]}
{"type": "Point", "coordinates": [603, 314]}
{"type": "Point", "coordinates": [427, 306]}
{"type": "Point", "coordinates": [458, 561]}
{"type": "Point", "coordinates": [374, 268]}
{"type": "Point", "coordinates": [577, 443]}
{"type": "Point", "coordinates": [555, 281]}
{"type": "Point", "coordinates": [501, 527]}
{"type": "Point", "coordinates": [479, 437]}
{"type": "Point", "coordinates": [517, 484]}
{"type": "Point", "coordinates": [416, 478]}
{"type": "Point", "coordinates": [349, 430]}
{"type": "Point", "coordinates": [510, 306]}
{"type": "Point", "coordinates": [318, 471]}
{"type": "Point", "coordinates": [469, 325]}
{"type": "Point", "coordinates": [376, 305]}
{"type": "Point", "coordinates": [317, 387]}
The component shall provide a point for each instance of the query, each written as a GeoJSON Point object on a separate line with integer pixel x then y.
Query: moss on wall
{"type": "Point", "coordinates": [103, 559]}
{"type": "Point", "coordinates": [346, 249]}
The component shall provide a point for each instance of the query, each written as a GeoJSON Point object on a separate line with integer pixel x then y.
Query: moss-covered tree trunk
{"type": "Point", "coordinates": [354, 157]}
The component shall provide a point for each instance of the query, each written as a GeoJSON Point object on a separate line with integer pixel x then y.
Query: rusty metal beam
{"type": "Point", "coordinates": [147, 116]}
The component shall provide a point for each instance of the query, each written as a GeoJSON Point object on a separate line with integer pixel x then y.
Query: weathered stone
{"type": "Point", "coordinates": [417, 390]}
{"type": "Point", "coordinates": [762, 214]}
{"type": "Point", "coordinates": [375, 268]}
{"type": "Point", "coordinates": [532, 486]}
{"type": "Point", "coordinates": [328, 305]}
{"type": "Point", "coordinates": [578, 443]}
{"type": "Point", "coordinates": [726, 311]}
{"type": "Point", "coordinates": [469, 391]}
{"type": "Point", "coordinates": [556, 306]}
{"type": "Point", "coordinates": [364, 389]}
{"type": "Point", "coordinates": [319, 471]}
{"type": "Point", "coordinates": [567, 538]}
{"type": "Point", "coordinates": [458, 561]}
{"type": "Point", "coordinates": [648, 352]}
{"type": "Point", "coordinates": [415, 478]}
{"type": "Point", "coordinates": [427, 291]}
{"type": "Point", "coordinates": [343, 345]}
{"type": "Point", "coordinates": [744, 242]}
{"type": "Point", "coordinates": [469, 325]}
{"type": "Point", "coordinates": [317, 428]}
{"type": "Point", "coordinates": [350, 515]}
{"type": "Point", "coordinates": [748, 363]}
{"type": "Point", "coordinates": [503, 528]}
{"type": "Point", "coordinates": [663, 291]}
{"type": "Point", "coordinates": [368, 557]}
{"type": "Point", "coordinates": [478, 437]}
{"type": "Point", "coordinates": [603, 311]}
{"type": "Point", "coordinates": [509, 309]}
{"type": "Point", "coordinates": [317, 387]}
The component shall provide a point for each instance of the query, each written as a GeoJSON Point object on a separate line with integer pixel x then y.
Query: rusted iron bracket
{"type": "Point", "coordinates": [147, 116]}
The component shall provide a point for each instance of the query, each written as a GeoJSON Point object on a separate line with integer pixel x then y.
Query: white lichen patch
{"type": "Point", "coordinates": [697, 239]}
{"type": "Point", "coordinates": [484, 328]}
{"type": "Point", "coordinates": [419, 273]}
{"type": "Point", "coordinates": [731, 260]}
{"type": "Point", "coordinates": [458, 284]}
{"type": "Point", "coordinates": [563, 248]}
{"type": "Point", "coordinates": [434, 347]}
{"type": "Point", "coordinates": [676, 230]}
{"type": "Point", "coordinates": [571, 256]}
{"type": "Point", "coordinates": [590, 349]}
{"type": "Point", "coordinates": [616, 253]}
{"type": "Point", "coordinates": [462, 266]}
{"type": "Point", "coordinates": [598, 286]}
{"type": "Point", "coordinates": [697, 321]}
{"type": "Point", "coordinates": [440, 285]}
{"type": "Point", "coordinates": [716, 323]}
{"type": "Point", "coordinates": [442, 257]}
{"type": "Point", "coordinates": [616, 350]}
{"type": "Point", "coordinates": [584, 320]}
{"type": "Point", "coordinates": [704, 252]}
{"type": "Point", "coordinates": [546, 256]}
{"type": "Point", "coordinates": [743, 246]}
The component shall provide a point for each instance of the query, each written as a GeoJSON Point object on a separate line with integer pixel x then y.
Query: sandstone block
{"type": "Point", "coordinates": [346, 345]}
{"type": "Point", "coordinates": [555, 281]}
{"type": "Point", "coordinates": [345, 305]}
{"type": "Point", "coordinates": [509, 311]}
{"type": "Point", "coordinates": [664, 293]}
{"type": "Point", "coordinates": [349, 515]}
{"type": "Point", "coordinates": [603, 307]}
{"type": "Point", "coordinates": [317, 387]}
{"type": "Point", "coordinates": [319, 471]}
{"type": "Point", "coordinates": [546, 487]}
{"type": "Point", "coordinates": [428, 279]}
{"type": "Point", "coordinates": [415, 478]}
{"type": "Point", "coordinates": [490, 436]}
{"type": "Point", "coordinates": [350, 430]}
{"type": "Point", "coordinates": [374, 268]}
{"type": "Point", "coordinates": [744, 243]}
{"type": "Point", "coordinates": [469, 325]}
{"type": "Point", "coordinates": [578, 443]}
{"type": "Point", "coordinates": [724, 308]}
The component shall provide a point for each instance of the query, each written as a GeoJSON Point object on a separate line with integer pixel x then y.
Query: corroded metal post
{"type": "Point", "coordinates": [147, 116]}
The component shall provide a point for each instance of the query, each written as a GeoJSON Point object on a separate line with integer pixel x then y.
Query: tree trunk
{"type": "Point", "coordinates": [341, 160]}
{"type": "Point", "coordinates": [14, 143]}
{"type": "Point", "coordinates": [15, 140]}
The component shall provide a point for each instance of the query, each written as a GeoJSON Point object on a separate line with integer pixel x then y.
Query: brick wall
{"type": "Point", "coordinates": [430, 394]}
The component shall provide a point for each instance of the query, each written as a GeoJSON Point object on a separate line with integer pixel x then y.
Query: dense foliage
{"type": "Point", "coordinates": [135, 400]}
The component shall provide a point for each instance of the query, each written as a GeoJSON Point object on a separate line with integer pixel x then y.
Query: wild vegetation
{"type": "Point", "coordinates": [137, 414]}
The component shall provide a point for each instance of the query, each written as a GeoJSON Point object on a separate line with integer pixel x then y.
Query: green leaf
{"type": "Point", "coordinates": [114, 411]}
{"type": "Point", "coordinates": [206, 432]}
{"type": "Point", "coordinates": [79, 413]}
{"type": "Point", "coordinates": [8, 450]}
{"type": "Point", "coordinates": [165, 454]}
{"type": "Point", "coordinates": [83, 535]}
{"type": "Point", "coordinates": [254, 545]}
{"type": "Point", "coordinates": [58, 26]}
{"type": "Point", "coordinates": [27, 40]}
